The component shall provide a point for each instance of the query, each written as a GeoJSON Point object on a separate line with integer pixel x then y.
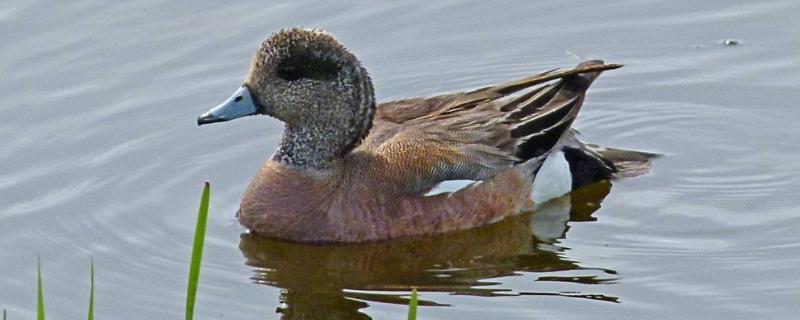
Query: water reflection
{"type": "Point", "coordinates": [336, 281]}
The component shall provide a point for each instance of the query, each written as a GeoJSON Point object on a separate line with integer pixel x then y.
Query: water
{"type": "Point", "coordinates": [101, 157]}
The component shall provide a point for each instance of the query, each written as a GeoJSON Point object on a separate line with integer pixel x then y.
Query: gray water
{"type": "Point", "coordinates": [100, 157]}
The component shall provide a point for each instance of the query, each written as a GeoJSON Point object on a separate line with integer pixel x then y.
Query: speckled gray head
{"type": "Point", "coordinates": [306, 79]}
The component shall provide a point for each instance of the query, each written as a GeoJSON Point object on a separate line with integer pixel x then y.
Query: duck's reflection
{"type": "Point", "coordinates": [332, 281]}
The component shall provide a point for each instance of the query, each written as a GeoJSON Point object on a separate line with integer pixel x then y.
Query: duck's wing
{"type": "Point", "coordinates": [475, 135]}
{"type": "Point", "coordinates": [400, 111]}
{"type": "Point", "coordinates": [521, 96]}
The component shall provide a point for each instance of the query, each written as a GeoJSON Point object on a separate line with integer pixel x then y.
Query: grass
{"type": "Point", "coordinates": [412, 305]}
{"type": "Point", "coordinates": [91, 289]}
{"type": "Point", "coordinates": [194, 268]}
{"type": "Point", "coordinates": [39, 295]}
{"type": "Point", "coordinates": [197, 251]}
{"type": "Point", "coordinates": [40, 291]}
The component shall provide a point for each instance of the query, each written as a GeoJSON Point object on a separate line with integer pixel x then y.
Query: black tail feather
{"type": "Point", "coordinates": [590, 163]}
{"type": "Point", "coordinates": [628, 163]}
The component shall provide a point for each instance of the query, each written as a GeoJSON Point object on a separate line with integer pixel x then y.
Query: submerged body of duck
{"type": "Point", "coordinates": [351, 170]}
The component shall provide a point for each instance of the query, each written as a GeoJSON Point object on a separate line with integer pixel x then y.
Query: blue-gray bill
{"type": "Point", "coordinates": [240, 104]}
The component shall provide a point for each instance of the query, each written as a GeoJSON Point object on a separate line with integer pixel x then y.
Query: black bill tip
{"type": "Point", "coordinates": [207, 118]}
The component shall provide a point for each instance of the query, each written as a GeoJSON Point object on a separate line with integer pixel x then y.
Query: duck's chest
{"type": "Point", "coordinates": [310, 207]}
{"type": "Point", "coordinates": [283, 203]}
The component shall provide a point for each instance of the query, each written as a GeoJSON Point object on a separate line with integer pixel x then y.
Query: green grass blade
{"type": "Point", "coordinates": [39, 296]}
{"type": "Point", "coordinates": [197, 251]}
{"type": "Point", "coordinates": [412, 305]}
{"type": "Point", "coordinates": [91, 289]}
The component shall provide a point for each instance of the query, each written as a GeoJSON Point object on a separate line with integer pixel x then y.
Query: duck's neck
{"type": "Point", "coordinates": [319, 145]}
{"type": "Point", "coordinates": [318, 140]}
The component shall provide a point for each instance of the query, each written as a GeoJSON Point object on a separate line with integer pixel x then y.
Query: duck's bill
{"type": "Point", "coordinates": [240, 104]}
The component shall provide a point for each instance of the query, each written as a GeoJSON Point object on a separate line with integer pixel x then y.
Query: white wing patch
{"type": "Point", "coordinates": [450, 186]}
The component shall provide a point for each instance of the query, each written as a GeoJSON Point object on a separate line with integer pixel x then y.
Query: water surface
{"type": "Point", "coordinates": [101, 157]}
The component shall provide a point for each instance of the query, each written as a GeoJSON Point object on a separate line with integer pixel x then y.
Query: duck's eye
{"type": "Point", "coordinates": [237, 99]}
{"type": "Point", "coordinates": [307, 67]}
{"type": "Point", "coordinates": [290, 73]}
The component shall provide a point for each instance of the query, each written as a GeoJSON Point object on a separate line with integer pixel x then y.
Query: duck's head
{"type": "Point", "coordinates": [304, 78]}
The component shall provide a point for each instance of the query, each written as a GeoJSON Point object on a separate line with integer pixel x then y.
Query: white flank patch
{"type": "Point", "coordinates": [553, 180]}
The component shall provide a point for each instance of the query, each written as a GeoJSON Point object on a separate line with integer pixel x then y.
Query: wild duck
{"type": "Point", "coordinates": [351, 170]}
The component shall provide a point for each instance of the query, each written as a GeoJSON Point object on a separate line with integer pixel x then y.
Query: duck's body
{"type": "Point", "coordinates": [347, 205]}
{"type": "Point", "coordinates": [350, 171]}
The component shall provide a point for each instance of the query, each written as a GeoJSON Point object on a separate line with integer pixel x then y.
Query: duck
{"type": "Point", "coordinates": [349, 169]}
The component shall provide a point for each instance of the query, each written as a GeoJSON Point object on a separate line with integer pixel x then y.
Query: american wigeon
{"type": "Point", "coordinates": [351, 170]}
